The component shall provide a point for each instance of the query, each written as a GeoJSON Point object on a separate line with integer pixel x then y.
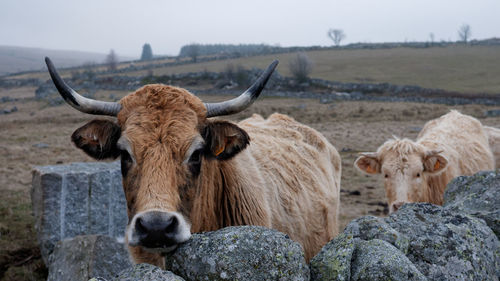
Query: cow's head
{"type": "Point", "coordinates": [406, 167]}
{"type": "Point", "coordinates": [165, 140]}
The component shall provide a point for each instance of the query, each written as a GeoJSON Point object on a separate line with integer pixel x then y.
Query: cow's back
{"type": "Point", "coordinates": [494, 141]}
{"type": "Point", "coordinates": [463, 140]}
{"type": "Point", "coordinates": [301, 171]}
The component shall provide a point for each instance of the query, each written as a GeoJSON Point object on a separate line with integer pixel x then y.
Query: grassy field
{"type": "Point", "coordinates": [465, 69]}
{"type": "Point", "coordinates": [456, 68]}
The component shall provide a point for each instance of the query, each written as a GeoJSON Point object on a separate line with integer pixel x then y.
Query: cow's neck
{"type": "Point", "coordinates": [435, 188]}
{"type": "Point", "coordinates": [227, 198]}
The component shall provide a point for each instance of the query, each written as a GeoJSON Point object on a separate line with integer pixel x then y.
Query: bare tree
{"type": "Point", "coordinates": [112, 60]}
{"type": "Point", "coordinates": [336, 35]}
{"type": "Point", "coordinates": [300, 67]}
{"type": "Point", "coordinates": [464, 33]}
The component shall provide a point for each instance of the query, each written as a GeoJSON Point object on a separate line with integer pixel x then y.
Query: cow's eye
{"type": "Point", "coordinates": [195, 157]}
{"type": "Point", "coordinates": [126, 162]}
{"type": "Point", "coordinates": [195, 162]}
{"type": "Point", "coordinates": [418, 175]}
{"type": "Point", "coordinates": [386, 176]}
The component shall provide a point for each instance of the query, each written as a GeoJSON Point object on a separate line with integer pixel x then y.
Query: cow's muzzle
{"type": "Point", "coordinates": [158, 231]}
{"type": "Point", "coordinates": [395, 206]}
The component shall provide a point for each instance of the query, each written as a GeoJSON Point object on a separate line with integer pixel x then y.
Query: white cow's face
{"type": "Point", "coordinates": [404, 180]}
{"type": "Point", "coordinates": [406, 168]}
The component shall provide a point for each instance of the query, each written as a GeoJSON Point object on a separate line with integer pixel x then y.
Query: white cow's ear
{"type": "Point", "coordinates": [435, 162]}
{"type": "Point", "coordinates": [368, 163]}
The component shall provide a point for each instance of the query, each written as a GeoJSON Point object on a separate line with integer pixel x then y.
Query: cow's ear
{"type": "Point", "coordinates": [224, 139]}
{"type": "Point", "coordinates": [368, 163]}
{"type": "Point", "coordinates": [434, 162]}
{"type": "Point", "coordinates": [98, 139]}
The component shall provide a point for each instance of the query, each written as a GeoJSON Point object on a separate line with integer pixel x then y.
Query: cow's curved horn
{"type": "Point", "coordinates": [244, 100]}
{"type": "Point", "coordinates": [79, 102]}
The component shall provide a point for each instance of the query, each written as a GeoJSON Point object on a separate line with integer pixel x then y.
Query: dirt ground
{"type": "Point", "coordinates": [38, 134]}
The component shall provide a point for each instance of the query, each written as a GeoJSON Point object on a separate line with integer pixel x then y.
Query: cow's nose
{"type": "Point", "coordinates": [156, 229]}
{"type": "Point", "coordinates": [397, 205]}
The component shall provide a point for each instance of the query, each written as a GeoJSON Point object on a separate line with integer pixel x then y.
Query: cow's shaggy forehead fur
{"type": "Point", "coordinates": [402, 148]}
{"type": "Point", "coordinates": [160, 123]}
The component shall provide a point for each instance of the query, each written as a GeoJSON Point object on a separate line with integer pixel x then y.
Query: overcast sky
{"type": "Point", "coordinates": [125, 25]}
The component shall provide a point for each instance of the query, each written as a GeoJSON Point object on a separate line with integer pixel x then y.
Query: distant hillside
{"type": "Point", "coordinates": [471, 69]}
{"type": "Point", "coordinates": [244, 50]}
{"type": "Point", "coordinates": [15, 59]}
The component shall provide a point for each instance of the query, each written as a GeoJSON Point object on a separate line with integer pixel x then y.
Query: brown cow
{"type": "Point", "coordinates": [447, 147]}
{"type": "Point", "coordinates": [184, 172]}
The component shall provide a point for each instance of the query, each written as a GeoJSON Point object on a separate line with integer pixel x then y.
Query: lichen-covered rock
{"type": "Point", "coordinates": [333, 262]}
{"type": "Point", "coordinates": [378, 260]}
{"type": "Point", "coordinates": [446, 244]}
{"type": "Point", "coordinates": [239, 253]}
{"type": "Point", "coordinates": [86, 256]}
{"type": "Point", "coordinates": [477, 195]}
{"type": "Point", "coordinates": [370, 227]}
{"type": "Point", "coordinates": [438, 243]}
{"type": "Point", "coordinates": [146, 272]}
{"type": "Point", "coordinates": [348, 258]}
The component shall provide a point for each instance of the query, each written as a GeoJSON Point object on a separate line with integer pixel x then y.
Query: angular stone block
{"type": "Point", "coordinates": [77, 199]}
{"type": "Point", "coordinates": [118, 206]}
{"type": "Point", "coordinates": [100, 207]}
{"type": "Point", "coordinates": [87, 256]}
{"type": "Point", "coordinates": [46, 204]}
{"type": "Point", "coordinates": [74, 204]}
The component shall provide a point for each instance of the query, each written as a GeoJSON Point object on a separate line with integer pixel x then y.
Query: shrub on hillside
{"type": "Point", "coordinates": [300, 67]}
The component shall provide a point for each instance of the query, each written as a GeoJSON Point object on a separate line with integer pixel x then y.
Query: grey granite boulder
{"type": "Point", "coordinates": [379, 260]}
{"type": "Point", "coordinates": [239, 253]}
{"type": "Point", "coordinates": [83, 257]}
{"type": "Point", "coordinates": [477, 195]}
{"type": "Point", "coordinates": [446, 244]}
{"type": "Point", "coordinates": [438, 243]}
{"type": "Point", "coordinates": [146, 272]}
{"type": "Point", "coordinates": [348, 258]}
{"type": "Point", "coordinates": [77, 199]}
{"type": "Point", "coordinates": [333, 262]}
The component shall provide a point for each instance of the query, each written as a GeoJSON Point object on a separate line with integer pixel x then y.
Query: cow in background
{"type": "Point", "coordinates": [418, 171]}
{"type": "Point", "coordinates": [185, 172]}
{"type": "Point", "coordinates": [494, 140]}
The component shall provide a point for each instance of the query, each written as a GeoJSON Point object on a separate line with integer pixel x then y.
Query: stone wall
{"type": "Point", "coordinates": [421, 241]}
{"type": "Point", "coordinates": [278, 85]}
